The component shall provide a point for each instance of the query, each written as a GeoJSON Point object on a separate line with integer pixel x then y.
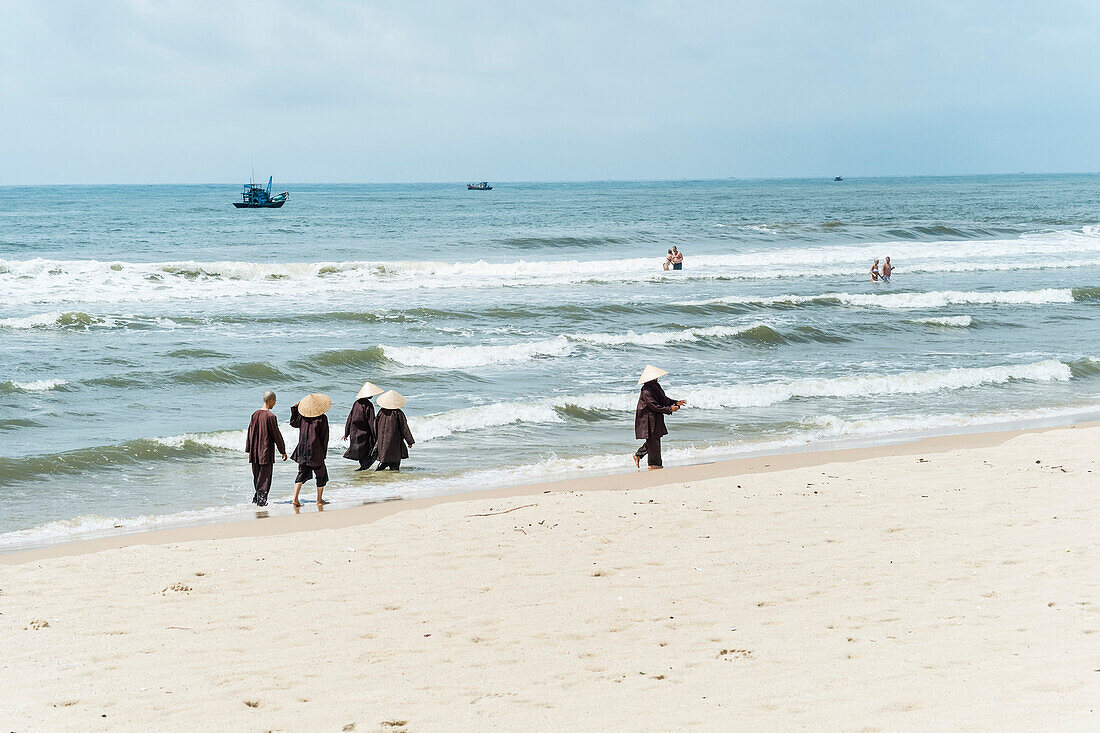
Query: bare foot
{"type": "Point", "coordinates": [322, 501]}
{"type": "Point", "coordinates": [655, 468]}
{"type": "Point", "coordinates": [636, 463]}
{"type": "Point", "coordinates": [297, 503]}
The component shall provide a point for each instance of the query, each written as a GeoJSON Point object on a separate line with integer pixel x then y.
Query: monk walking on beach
{"type": "Point", "coordinates": [263, 435]}
{"type": "Point", "coordinates": [359, 428]}
{"type": "Point", "coordinates": [649, 418]}
{"type": "Point", "coordinates": [392, 428]}
{"type": "Point", "coordinates": [308, 416]}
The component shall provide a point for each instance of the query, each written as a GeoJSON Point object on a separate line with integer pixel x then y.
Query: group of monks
{"type": "Point", "coordinates": [384, 437]}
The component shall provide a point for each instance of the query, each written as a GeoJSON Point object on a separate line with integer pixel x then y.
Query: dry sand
{"type": "Point", "coordinates": [906, 587]}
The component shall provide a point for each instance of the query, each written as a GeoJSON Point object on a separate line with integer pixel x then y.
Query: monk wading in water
{"type": "Point", "coordinates": [308, 416]}
{"type": "Point", "coordinates": [393, 431]}
{"type": "Point", "coordinates": [262, 438]}
{"type": "Point", "coordinates": [649, 418]}
{"type": "Point", "coordinates": [359, 428]}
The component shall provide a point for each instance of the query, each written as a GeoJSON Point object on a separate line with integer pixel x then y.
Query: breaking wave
{"type": "Point", "coordinates": [467, 357]}
{"type": "Point", "coordinates": [771, 393]}
{"type": "Point", "coordinates": [38, 281]}
{"type": "Point", "coordinates": [56, 319]}
{"type": "Point", "coordinates": [755, 332]}
{"type": "Point", "coordinates": [907, 301]}
{"type": "Point", "coordinates": [466, 419]}
{"type": "Point", "coordinates": [946, 321]}
{"type": "Point", "coordinates": [132, 452]}
{"type": "Point", "coordinates": [37, 385]}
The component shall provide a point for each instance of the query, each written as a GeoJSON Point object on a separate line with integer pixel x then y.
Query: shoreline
{"type": "Point", "coordinates": [947, 582]}
{"type": "Point", "coordinates": [809, 455]}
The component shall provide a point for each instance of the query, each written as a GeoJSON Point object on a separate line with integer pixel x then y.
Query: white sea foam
{"type": "Point", "coordinates": [91, 524]}
{"type": "Point", "coordinates": [37, 385]}
{"type": "Point", "coordinates": [660, 338]}
{"type": "Point", "coordinates": [230, 440]}
{"type": "Point", "coordinates": [56, 319]}
{"type": "Point", "coordinates": [42, 281]}
{"type": "Point", "coordinates": [950, 321]}
{"type": "Point", "coordinates": [442, 424]}
{"type": "Point", "coordinates": [467, 357]}
{"type": "Point", "coordinates": [905, 301]}
{"type": "Point", "coordinates": [764, 394]}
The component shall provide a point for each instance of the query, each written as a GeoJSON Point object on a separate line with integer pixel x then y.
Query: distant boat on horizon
{"type": "Point", "coordinates": [258, 197]}
{"type": "Point", "coordinates": [483, 186]}
{"type": "Point", "coordinates": [838, 178]}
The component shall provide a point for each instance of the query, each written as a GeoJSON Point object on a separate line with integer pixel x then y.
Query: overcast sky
{"type": "Point", "coordinates": [135, 92]}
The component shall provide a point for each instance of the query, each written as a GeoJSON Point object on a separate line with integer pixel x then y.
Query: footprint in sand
{"type": "Point", "coordinates": [176, 588]}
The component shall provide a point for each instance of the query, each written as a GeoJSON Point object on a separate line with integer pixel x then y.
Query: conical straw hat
{"type": "Point", "coordinates": [391, 401]}
{"type": "Point", "coordinates": [313, 405]}
{"type": "Point", "coordinates": [649, 373]}
{"type": "Point", "coordinates": [369, 390]}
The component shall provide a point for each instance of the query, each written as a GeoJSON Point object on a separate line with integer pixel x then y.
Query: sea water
{"type": "Point", "coordinates": [140, 325]}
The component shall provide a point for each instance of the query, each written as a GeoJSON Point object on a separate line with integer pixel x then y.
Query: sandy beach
{"type": "Point", "coordinates": [949, 583]}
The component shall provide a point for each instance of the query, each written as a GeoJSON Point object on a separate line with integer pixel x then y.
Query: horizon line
{"type": "Point", "coordinates": [577, 180]}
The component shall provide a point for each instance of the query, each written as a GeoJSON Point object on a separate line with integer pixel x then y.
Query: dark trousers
{"type": "Point", "coordinates": [677, 265]}
{"type": "Point", "coordinates": [390, 466]}
{"type": "Point", "coordinates": [365, 463]}
{"type": "Point", "coordinates": [652, 448]}
{"type": "Point", "coordinates": [261, 479]}
{"type": "Point", "coordinates": [305, 473]}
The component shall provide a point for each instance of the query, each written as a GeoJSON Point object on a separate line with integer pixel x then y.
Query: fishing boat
{"type": "Point", "coordinates": [483, 186]}
{"type": "Point", "coordinates": [258, 197]}
{"type": "Point", "coordinates": [838, 178]}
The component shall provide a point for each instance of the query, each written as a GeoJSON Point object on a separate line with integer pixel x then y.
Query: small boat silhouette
{"type": "Point", "coordinates": [838, 178]}
{"type": "Point", "coordinates": [483, 186]}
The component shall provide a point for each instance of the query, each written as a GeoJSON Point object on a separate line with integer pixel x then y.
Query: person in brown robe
{"type": "Point", "coordinates": [311, 451]}
{"type": "Point", "coordinates": [392, 430]}
{"type": "Point", "coordinates": [359, 428]}
{"type": "Point", "coordinates": [263, 435]}
{"type": "Point", "coordinates": [649, 419]}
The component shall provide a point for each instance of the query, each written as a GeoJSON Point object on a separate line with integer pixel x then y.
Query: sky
{"type": "Point", "coordinates": [319, 91]}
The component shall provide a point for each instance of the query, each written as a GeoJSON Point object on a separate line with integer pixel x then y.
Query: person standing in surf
{"type": "Point", "coordinates": [887, 270]}
{"type": "Point", "coordinates": [677, 259]}
{"type": "Point", "coordinates": [308, 415]}
{"type": "Point", "coordinates": [874, 272]}
{"type": "Point", "coordinates": [649, 418]}
{"type": "Point", "coordinates": [359, 428]}
{"type": "Point", "coordinates": [392, 429]}
{"type": "Point", "coordinates": [263, 435]}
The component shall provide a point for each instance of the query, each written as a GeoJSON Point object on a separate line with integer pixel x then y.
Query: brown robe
{"type": "Point", "coordinates": [653, 405]}
{"type": "Point", "coordinates": [393, 433]}
{"type": "Point", "coordinates": [359, 430]}
{"type": "Point", "coordinates": [312, 438]}
{"type": "Point", "coordinates": [263, 434]}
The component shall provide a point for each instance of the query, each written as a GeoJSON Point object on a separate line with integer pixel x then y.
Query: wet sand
{"type": "Point", "coordinates": [949, 583]}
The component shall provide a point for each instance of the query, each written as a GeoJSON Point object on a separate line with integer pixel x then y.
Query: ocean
{"type": "Point", "coordinates": [139, 326]}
